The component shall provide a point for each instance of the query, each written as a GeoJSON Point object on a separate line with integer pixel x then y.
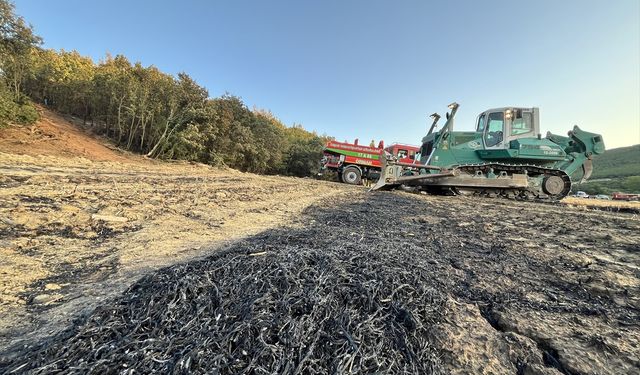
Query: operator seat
{"type": "Point", "coordinates": [494, 138]}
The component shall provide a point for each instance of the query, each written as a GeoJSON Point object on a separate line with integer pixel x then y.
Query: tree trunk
{"type": "Point", "coordinates": [144, 128]}
{"type": "Point", "coordinates": [164, 144]}
{"type": "Point", "coordinates": [162, 137]}
{"type": "Point", "coordinates": [120, 120]}
{"type": "Point", "coordinates": [132, 132]}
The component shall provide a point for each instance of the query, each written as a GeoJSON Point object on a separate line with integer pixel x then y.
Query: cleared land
{"type": "Point", "coordinates": [271, 274]}
{"type": "Point", "coordinates": [73, 230]}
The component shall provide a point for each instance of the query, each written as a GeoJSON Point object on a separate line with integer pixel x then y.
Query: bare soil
{"type": "Point", "coordinates": [74, 232]}
{"type": "Point", "coordinates": [58, 135]}
{"type": "Point", "coordinates": [466, 285]}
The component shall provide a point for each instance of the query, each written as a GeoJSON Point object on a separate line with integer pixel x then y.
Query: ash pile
{"type": "Point", "coordinates": [278, 303]}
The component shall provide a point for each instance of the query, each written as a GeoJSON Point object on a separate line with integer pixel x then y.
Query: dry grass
{"type": "Point", "coordinates": [80, 226]}
{"type": "Point", "coordinates": [601, 203]}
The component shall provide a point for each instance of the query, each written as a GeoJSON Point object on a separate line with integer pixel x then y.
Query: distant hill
{"type": "Point", "coordinates": [617, 169]}
{"type": "Point", "coordinates": [617, 162]}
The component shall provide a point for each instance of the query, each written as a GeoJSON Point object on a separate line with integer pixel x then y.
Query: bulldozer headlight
{"type": "Point", "coordinates": [508, 114]}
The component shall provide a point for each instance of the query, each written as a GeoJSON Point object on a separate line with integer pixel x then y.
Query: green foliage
{"type": "Point", "coordinates": [303, 153]}
{"type": "Point", "coordinates": [629, 184]}
{"type": "Point", "coordinates": [618, 162]}
{"type": "Point", "coordinates": [18, 110]}
{"type": "Point", "coordinates": [187, 144]}
{"type": "Point", "coordinates": [12, 112]}
{"type": "Point", "coordinates": [616, 170]}
{"type": "Point", "coordinates": [8, 106]}
{"type": "Point", "coordinates": [145, 110]}
{"type": "Point", "coordinates": [26, 114]}
{"type": "Point", "coordinates": [16, 37]}
{"type": "Point", "coordinates": [17, 43]}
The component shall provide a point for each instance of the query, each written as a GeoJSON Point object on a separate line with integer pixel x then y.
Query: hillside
{"type": "Point", "coordinates": [617, 162]}
{"type": "Point", "coordinates": [617, 169]}
{"type": "Point", "coordinates": [57, 135]}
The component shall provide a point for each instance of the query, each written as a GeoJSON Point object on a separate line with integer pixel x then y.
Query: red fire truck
{"type": "Point", "coordinates": [354, 162]}
{"type": "Point", "coordinates": [625, 197]}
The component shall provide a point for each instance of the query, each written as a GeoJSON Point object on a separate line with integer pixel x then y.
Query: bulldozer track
{"type": "Point", "coordinates": [534, 191]}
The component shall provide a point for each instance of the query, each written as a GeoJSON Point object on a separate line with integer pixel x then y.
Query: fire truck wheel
{"type": "Point", "coordinates": [351, 176]}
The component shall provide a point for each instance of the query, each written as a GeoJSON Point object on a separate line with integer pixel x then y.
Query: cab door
{"type": "Point", "coordinates": [494, 130]}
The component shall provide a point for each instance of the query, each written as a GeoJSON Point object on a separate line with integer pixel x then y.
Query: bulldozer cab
{"type": "Point", "coordinates": [500, 126]}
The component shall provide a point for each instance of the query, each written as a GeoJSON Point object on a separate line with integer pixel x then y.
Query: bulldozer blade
{"type": "Point", "coordinates": [392, 174]}
{"type": "Point", "coordinates": [385, 180]}
{"type": "Point", "coordinates": [587, 169]}
{"type": "Point", "coordinates": [389, 183]}
{"type": "Point", "coordinates": [386, 173]}
{"type": "Point", "coordinates": [382, 185]}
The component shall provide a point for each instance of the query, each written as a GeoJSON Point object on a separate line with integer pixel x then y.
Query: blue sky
{"type": "Point", "coordinates": [377, 69]}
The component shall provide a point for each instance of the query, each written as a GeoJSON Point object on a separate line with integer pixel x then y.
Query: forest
{"type": "Point", "coordinates": [144, 110]}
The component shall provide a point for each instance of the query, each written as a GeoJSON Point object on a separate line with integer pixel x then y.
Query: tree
{"type": "Point", "coordinates": [269, 143]}
{"type": "Point", "coordinates": [111, 90]}
{"type": "Point", "coordinates": [16, 42]}
{"type": "Point", "coordinates": [145, 110]}
{"type": "Point", "coordinates": [186, 106]}
{"type": "Point", "coordinates": [304, 151]}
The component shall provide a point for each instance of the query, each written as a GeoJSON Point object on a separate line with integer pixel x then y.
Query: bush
{"type": "Point", "coordinates": [630, 184]}
{"type": "Point", "coordinates": [20, 111]}
{"type": "Point", "coordinates": [7, 105]}
{"type": "Point", "coordinates": [26, 114]}
{"type": "Point", "coordinates": [8, 109]}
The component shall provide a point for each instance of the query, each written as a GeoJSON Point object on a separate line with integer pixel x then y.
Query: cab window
{"type": "Point", "coordinates": [496, 120]}
{"type": "Point", "coordinates": [402, 154]}
{"type": "Point", "coordinates": [493, 134]}
{"type": "Point", "coordinates": [522, 125]}
{"type": "Point", "coordinates": [480, 126]}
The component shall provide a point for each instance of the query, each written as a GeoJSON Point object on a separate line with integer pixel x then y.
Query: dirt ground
{"type": "Point", "coordinates": [530, 288]}
{"type": "Point", "coordinates": [523, 288]}
{"type": "Point", "coordinates": [61, 136]}
{"type": "Point", "coordinates": [81, 220]}
{"type": "Point", "coordinates": [75, 231]}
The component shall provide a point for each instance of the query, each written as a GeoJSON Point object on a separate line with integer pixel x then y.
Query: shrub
{"type": "Point", "coordinates": [8, 109]}
{"type": "Point", "coordinates": [26, 114]}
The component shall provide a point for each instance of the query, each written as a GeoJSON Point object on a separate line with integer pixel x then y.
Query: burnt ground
{"type": "Point", "coordinates": [75, 232]}
{"type": "Point", "coordinates": [388, 282]}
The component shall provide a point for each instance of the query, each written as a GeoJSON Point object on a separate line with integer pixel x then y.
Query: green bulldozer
{"type": "Point", "coordinates": [505, 156]}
